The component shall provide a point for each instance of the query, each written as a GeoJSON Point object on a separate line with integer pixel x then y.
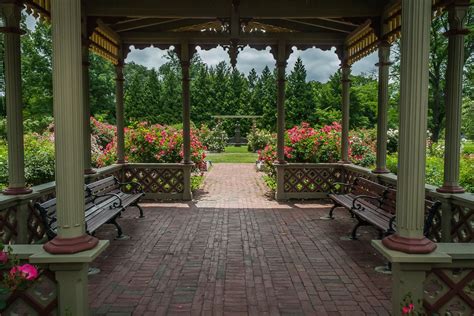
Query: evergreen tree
{"type": "Point", "coordinates": [299, 104]}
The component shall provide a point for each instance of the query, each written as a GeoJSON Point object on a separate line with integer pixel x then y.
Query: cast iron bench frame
{"type": "Point", "coordinates": [105, 200]}
{"type": "Point", "coordinates": [377, 208]}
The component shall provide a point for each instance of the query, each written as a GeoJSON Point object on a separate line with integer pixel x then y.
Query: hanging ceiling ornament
{"type": "Point", "coordinates": [233, 50]}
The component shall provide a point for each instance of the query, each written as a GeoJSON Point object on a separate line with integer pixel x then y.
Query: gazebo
{"type": "Point", "coordinates": [355, 28]}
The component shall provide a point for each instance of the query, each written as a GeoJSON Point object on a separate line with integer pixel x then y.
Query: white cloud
{"type": "Point", "coordinates": [319, 64]}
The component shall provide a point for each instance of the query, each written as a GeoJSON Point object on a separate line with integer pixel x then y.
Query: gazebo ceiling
{"type": "Point", "coordinates": [355, 26]}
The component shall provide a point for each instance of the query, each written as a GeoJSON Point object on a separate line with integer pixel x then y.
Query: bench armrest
{"type": "Point", "coordinates": [46, 220]}
{"type": "Point", "coordinates": [137, 187]}
{"type": "Point", "coordinates": [358, 205]}
{"type": "Point", "coordinates": [429, 219]}
{"type": "Point", "coordinates": [391, 229]}
{"type": "Point", "coordinates": [342, 185]}
{"type": "Point", "coordinates": [115, 204]}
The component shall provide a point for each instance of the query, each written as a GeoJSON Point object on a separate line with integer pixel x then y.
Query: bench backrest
{"type": "Point", "coordinates": [105, 185]}
{"type": "Point", "coordinates": [363, 186]}
{"type": "Point", "coordinates": [389, 203]}
{"type": "Point", "coordinates": [48, 208]}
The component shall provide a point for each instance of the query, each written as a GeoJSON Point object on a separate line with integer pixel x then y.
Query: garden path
{"type": "Point", "coordinates": [234, 251]}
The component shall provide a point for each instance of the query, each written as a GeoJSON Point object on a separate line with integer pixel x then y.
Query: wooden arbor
{"type": "Point", "coordinates": [355, 28]}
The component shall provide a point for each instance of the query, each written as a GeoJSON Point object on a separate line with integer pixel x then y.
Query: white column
{"type": "Point", "coordinates": [119, 112]}
{"type": "Point", "coordinates": [382, 113]}
{"type": "Point", "coordinates": [415, 45]}
{"type": "Point", "coordinates": [185, 59]}
{"type": "Point", "coordinates": [69, 135]}
{"type": "Point", "coordinates": [454, 71]}
{"type": "Point", "coordinates": [346, 86]}
{"type": "Point", "coordinates": [11, 12]}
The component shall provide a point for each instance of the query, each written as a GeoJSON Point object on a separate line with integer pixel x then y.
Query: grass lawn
{"type": "Point", "coordinates": [233, 154]}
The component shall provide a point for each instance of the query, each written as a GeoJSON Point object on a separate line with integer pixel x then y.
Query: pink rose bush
{"type": "Point", "coordinates": [306, 144]}
{"type": "Point", "coordinates": [152, 143]}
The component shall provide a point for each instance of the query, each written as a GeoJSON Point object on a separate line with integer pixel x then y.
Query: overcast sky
{"type": "Point", "coordinates": [319, 64]}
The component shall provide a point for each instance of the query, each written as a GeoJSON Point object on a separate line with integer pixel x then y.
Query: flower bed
{"type": "Point", "coordinates": [147, 143]}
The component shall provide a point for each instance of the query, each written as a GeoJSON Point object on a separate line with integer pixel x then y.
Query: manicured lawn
{"type": "Point", "coordinates": [233, 154]}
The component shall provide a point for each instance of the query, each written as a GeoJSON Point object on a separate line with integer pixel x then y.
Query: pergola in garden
{"type": "Point", "coordinates": [355, 28]}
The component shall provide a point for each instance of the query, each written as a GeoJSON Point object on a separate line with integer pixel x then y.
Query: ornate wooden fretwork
{"type": "Point", "coordinates": [101, 41]}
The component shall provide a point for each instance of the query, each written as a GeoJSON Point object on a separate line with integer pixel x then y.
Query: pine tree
{"type": "Point", "coordinates": [299, 104]}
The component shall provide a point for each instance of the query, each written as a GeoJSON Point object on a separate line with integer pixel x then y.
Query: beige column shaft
{"type": "Point", "coordinates": [119, 113]}
{"type": "Point", "coordinates": [454, 72]}
{"type": "Point", "coordinates": [281, 85]}
{"type": "Point", "coordinates": [68, 104]}
{"type": "Point", "coordinates": [346, 86]}
{"type": "Point", "coordinates": [68, 116]}
{"type": "Point", "coordinates": [415, 45]}
{"type": "Point", "coordinates": [382, 113]}
{"type": "Point", "coordinates": [16, 173]}
{"type": "Point", "coordinates": [87, 110]}
{"type": "Point", "coordinates": [185, 64]}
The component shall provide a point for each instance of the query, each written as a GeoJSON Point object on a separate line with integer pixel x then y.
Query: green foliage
{"type": "Point", "coordinates": [435, 167]}
{"type": "Point", "coordinates": [39, 160]}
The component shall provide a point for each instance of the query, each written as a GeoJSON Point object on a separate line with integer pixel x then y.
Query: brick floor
{"type": "Point", "coordinates": [235, 251]}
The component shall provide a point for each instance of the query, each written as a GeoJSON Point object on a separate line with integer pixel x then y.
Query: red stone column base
{"type": "Point", "coordinates": [90, 171]}
{"type": "Point", "coordinates": [450, 189]}
{"type": "Point", "coordinates": [281, 162]}
{"type": "Point", "coordinates": [409, 245]}
{"type": "Point", "coordinates": [70, 245]}
{"type": "Point", "coordinates": [380, 171]}
{"type": "Point", "coordinates": [17, 191]}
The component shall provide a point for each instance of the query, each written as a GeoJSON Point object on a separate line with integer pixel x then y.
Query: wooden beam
{"type": "Point", "coordinates": [140, 23]}
{"type": "Point", "coordinates": [198, 38]}
{"type": "Point", "coordinates": [162, 9]}
{"type": "Point", "coordinates": [247, 8]}
{"type": "Point", "coordinates": [326, 24]}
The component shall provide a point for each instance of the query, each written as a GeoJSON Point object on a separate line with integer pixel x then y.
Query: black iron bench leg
{"type": "Point", "coordinates": [356, 227]}
{"type": "Point", "coordinates": [331, 211]}
{"type": "Point", "coordinates": [120, 235]}
{"type": "Point", "coordinates": [139, 208]}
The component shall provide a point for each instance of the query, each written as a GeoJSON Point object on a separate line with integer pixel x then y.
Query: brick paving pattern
{"type": "Point", "coordinates": [235, 251]}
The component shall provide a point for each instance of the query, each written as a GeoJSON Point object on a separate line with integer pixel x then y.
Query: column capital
{"type": "Point", "coordinates": [457, 14]}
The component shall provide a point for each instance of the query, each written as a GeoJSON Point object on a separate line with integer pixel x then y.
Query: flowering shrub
{"type": "Point", "coordinates": [392, 141]}
{"type": "Point", "coordinates": [153, 144]}
{"type": "Point", "coordinates": [15, 277]}
{"type": "Point", "coordinates": [102, 132]}
{"type": "Point", "coordinates": [306, 144]}
{"type": "Point", "coordinates": [214, 139]}
{"type": "Point", "coordinates": [259, 139]}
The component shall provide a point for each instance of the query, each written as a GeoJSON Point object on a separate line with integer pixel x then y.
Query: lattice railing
{"type": "Point", "coordinates": [8, 223]}
{"type": "Point", "coordinates": [160, 181]}
{"type": "Point", "coordinates": [449, 291]}
{"type": "Point", "coordinates": [462, 221]}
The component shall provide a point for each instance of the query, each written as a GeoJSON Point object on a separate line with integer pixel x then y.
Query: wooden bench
{"type": "Point", "coordinates": [128, 193]}
{"type": "Point", "coordinates": [104, 202]}
{"type": "Point", "coordinates": [374, 204]}
{"type": "Point", "coordinates": [380, 213]}
{"type": "Point", "coordinates": [343, 194]}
